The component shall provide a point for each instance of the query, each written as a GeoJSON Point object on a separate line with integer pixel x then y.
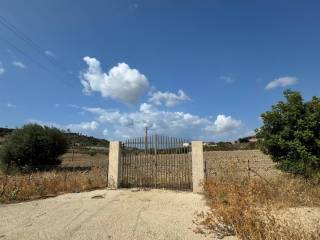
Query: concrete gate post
{"type": "Point", "coordinates": [197, 166]}
{"type": "Point", "coordinates": [114, 165]}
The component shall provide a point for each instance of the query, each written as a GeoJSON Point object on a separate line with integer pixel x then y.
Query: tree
{"type": "Point", "coordinates": [33, 145]}
{"type": "Point", "coordinates": [290, 134]}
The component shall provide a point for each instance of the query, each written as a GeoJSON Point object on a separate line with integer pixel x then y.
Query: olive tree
{"type": "Point", "coordinates": [33, 145]}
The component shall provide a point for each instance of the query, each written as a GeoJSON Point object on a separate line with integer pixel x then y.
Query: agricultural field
{"type": "Point", "coordinates": [221, 163]}
{"type": "Point", "coordinates": [77, 172]}
{"type": "Point", "coordinates": [81, 170]}
{"type": "Point", "coordinates": [251, 199]}
{"type": "Point", "coordinates": [84, 160]}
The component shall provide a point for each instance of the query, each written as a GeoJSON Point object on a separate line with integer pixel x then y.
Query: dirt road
{"type": "Point", "coordinates": [104, 214]}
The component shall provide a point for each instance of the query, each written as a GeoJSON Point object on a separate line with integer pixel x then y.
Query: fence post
{"type": "Point", "coordinates": [197, 166]}
{"type": "Point", "coordinates": [114, 165]}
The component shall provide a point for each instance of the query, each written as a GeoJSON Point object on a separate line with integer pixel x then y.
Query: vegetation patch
{"type": "Point", "coordinates": [32, 145]}
{"type": "Point", "coordinates": [29, 186]}
{"type": "Point", "coordinates": [260, 208]}
{"type": "Point", "coordinates": [291, 134]}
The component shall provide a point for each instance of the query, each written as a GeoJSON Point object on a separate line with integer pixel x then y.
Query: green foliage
{"type": "Point", "coordinates": [33, 145]}
{"type": "Point", "coordinates": [243, 140]}
{"type": "Point", "coordinates": [92, 152]}
{"type": "Point", "coordinates": [290, 134]}
{"type": "Point", "coordinates": [82, 140]}
{"type": "Point", "coordinates": [5, 131]}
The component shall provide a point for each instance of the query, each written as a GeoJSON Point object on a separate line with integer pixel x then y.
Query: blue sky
{"type": "Point", "coordinates": [196, 69]}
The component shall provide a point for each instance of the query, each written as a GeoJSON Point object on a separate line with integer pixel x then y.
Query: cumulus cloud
{"type": "Point", "coordinates": [121, 83]}
{"type": "Point", "coordinates": [2, 69]}
{"type": "Point", "coordinates": [169, 99]}
{"type": "Point", "coordinates": [116, 124]}
{"type": "Point", "coordinates": [129, 124]}
{"type": "Point", "coordinates": [281, 82]}
{"type": "Point", "coordinates": [19, 64]}
{"type": "Point", "coordinates": [225, 124]}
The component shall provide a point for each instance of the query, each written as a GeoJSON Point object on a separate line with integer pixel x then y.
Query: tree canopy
{"type": "Point", "coordinates": [33, 145]}
{"type": "Point", "coordinates": [290, 134]}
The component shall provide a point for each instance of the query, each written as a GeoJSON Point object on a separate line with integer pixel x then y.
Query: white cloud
{"type": "Point", "coordinates": [227, 79]}
{"type": "Point", "coordinates": [73, 127]}
{"type": "Point", "coordinates": [130, 124]}
{"type": "Point", "coordinates": [224, 125]}
{"type": "Point", "coordinates": [121, 83]}
{"type": "Point", "coordinates": [10, 105]}
{"type": "Point", "coordinates": [146, 108]}
{"type": "Point", "coordinates": [70, 105]}
{"type": "Point", "coordinates": [2, 69]}
{"type": "Point", "coordinates": [105, 132]}
{"type": "Point", "coordinates": [250, 132]}
{"type": "Point", "coordinates": [49, 53]}
{"type": "Point", "coordinates": [282, 82]}
{"type": "Point", "coordinates": [115, 124]}
{"type": "Point", "coordinates": [19, 64]}
{"type": "Point", "coordinates": [167, 98]}
{"type": "Point", "coordinates": [84, 126]}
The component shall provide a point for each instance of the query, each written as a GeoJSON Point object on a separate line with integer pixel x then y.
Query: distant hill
{"type": "Point", "coordinates": [5, 131]}
{"type": "Point", "coordinates": [83, 140]}
{"type": "Point", "coordinates": [76, 139]}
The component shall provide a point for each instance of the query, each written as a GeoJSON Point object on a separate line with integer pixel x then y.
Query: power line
{"type": "Point", "coordinates": [26, 55]}
{"type": "Point", "coordinates": [22, 36]}
{"type": "Point", "coordinates": [30, 42]}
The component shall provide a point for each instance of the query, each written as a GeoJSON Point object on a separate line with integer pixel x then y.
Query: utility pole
{"type": "Point", "coordinates": [72, 143]}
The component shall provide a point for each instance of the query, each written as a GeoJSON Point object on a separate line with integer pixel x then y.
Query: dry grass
{"type": "Point", "coordinates": [259, 207]}
{"type": "Point", "coordinates": [78, 172]}
{"type": "Point", "coordinates": [22, 187]}
{"type": "Point", "coordinates": [84, 160]}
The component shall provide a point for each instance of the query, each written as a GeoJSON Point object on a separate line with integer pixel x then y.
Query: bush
{"type": "Point", "coordinates": [33, 145]}
{"type": "Point", "coordinates": [290, 134]}
{"type": "Point", "coordinates": [92, 152]}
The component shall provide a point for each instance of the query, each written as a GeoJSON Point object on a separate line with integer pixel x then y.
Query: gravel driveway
{"type": "Point", "coordinates": [104, 214]}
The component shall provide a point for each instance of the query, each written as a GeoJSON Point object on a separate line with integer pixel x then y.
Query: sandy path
{"type": "Point", "coordinates": [121, 214]}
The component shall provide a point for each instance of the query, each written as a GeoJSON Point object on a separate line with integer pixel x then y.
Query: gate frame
{"type": "Point", "coordinates": [114, 165]}
{"type": "Point", "coordinates": [197, 166]}
{"type": "Point", "coordinates": [198, 171]}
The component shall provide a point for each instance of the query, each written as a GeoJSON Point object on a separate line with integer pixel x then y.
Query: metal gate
{"type": "Point", "coordinates": [156, 162]}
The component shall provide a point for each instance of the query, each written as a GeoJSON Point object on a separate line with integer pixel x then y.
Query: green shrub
{"type": "Point", "coordinates": [290, 134]}
{"type": "Point", "coordinates": [92, 152]}
{"type": "Point", "coordinates": [33, 145]}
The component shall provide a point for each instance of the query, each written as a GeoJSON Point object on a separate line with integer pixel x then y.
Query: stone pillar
{"type": "Point", "coordinates": [114, 165]}
{"type": "Point", "coordinates": [197, 166]}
